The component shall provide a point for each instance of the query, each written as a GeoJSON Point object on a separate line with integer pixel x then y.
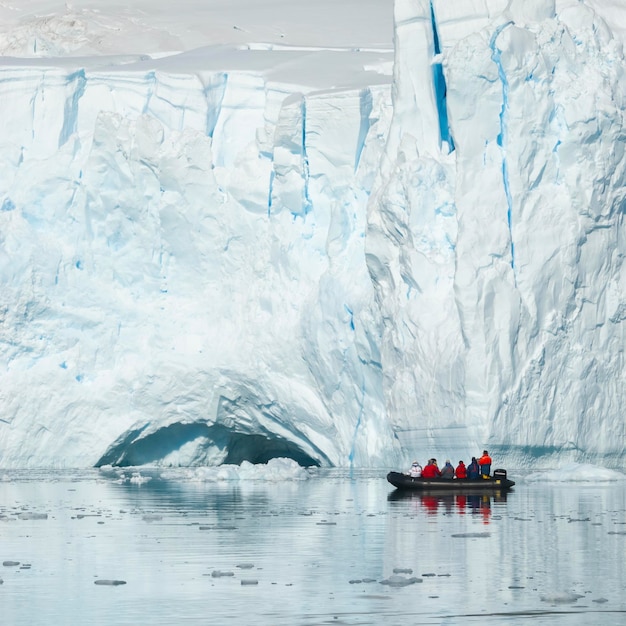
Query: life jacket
{"type": "Point", "coordinates": [461, 471]}
{"type": "Point", "coordinates": [485, 459]}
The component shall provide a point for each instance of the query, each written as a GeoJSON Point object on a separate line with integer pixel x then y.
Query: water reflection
{"type": "Point", "coordinates": [434, 503]}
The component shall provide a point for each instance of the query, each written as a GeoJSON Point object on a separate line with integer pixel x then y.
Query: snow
{"type": "Point", "coordinates": [345, 235]}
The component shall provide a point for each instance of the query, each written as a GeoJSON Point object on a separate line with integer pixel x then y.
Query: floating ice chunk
{"type": "Point", "coordinates": [152, 517]}
{"type": "Point", "coordinates": [400, 581]}
{"type": "Point", "coordinates": [402, 570]}
{"type": "Point", "coordinates": [560, 597]}
{"type": "Point", "coordinates": [600, 600]}
{"type": "Point", "coordinates": [470, 535]}
{"type": "Point", "coordinates": [275, 470]}
{"type": "Point", "coordinates": [138, 479]}
{"type": "Point", "coordinates": [245, 565]}
{"type": "Point", "coordinates": [577, 473]}
{"type": "Point", "coordinates": [110, 583]}
{"type": "Point", "coordinates": [219, 573]}
{"type": "Point", "coordinates": [10, 563]}
{"type": "Point", "coordinates": [32, 516]}
{"type": "Point", "coordinates": [356, 581]}
{"type": "Point", "coordinates": [249, 581]}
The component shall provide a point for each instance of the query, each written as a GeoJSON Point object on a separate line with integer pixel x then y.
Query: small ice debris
{"type": "Point", "coordinates": [32, 516]}
{"type": "Point", "coordinates": [400, 581]}
{"type": "Point", "coordinates": [582, 519]}
{"type": "Point", "coordinates": [245, 565]}
{"type": "Point", "coordinates": [109, 583]}
{"type": "Point", "coordinates": [1, 581]}
{"type": "Point", "coordinates": [355, 581]}
{"type": "Point", "coordinates": [600, 600]}
{"type": "Point", "coordinates": [10, 563]}
{"type": "Point", "coordinates": [369, 580]}
{"type": "Point", "coordinates": [325, 523]}
{"type": "Point", "coordinates": [219, 573]}
{"type": "Point", "coordinates": [152, 518]}
{"type": "Point", "coordinates": [249, 581]}
{"type": "Point", "coordinates": [402, 570]}
{"type": "Point", "coordinates": [429, 574]}
{"type": "Point", "coordinates": [138, 479]}
{"type": "Point", "coordinates": [616, 532]}
{"type": "Point", "coordinates": [471, 535]}
{"type": "Point", "coordinates": [516, 587]}
{"type": "Point", "coordinates": [562, 597]}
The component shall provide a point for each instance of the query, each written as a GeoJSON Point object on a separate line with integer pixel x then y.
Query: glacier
{"type": "Point", "coordinates": [346, 255]}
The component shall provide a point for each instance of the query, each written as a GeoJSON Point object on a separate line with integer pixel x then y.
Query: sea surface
{"type": "Point", "coordinates": [338, 548]}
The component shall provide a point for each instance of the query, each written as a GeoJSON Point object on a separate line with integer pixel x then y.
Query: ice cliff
{"type": "Point", "coordinates": [238, 253]}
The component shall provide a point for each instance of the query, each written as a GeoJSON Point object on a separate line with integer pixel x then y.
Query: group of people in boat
{"type": "Point", "coordinates": [480, 468]}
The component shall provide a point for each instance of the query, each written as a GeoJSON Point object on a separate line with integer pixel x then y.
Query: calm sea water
{"type": "Point", "coordinates": [338, 548]}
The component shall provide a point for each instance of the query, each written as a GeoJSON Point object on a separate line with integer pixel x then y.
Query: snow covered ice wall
{"type": "Point", "coordinates": [496, 235]}
{"type": "Point", "coordinates": [182, 253]}
{"type": "Point", "coordinates": [203, 262]}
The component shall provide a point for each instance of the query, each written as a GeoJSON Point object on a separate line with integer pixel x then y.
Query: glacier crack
{"type": "Point", "coordinates": [496, 57]}
{"type": "Point", "coordinates": [440, 87]}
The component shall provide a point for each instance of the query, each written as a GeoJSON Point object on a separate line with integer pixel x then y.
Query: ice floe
{"type": "Point", "coordinates": [577, 473]}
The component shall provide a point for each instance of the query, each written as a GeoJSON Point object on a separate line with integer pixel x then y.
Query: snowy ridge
{"type": "Point", "coordinates": [248, 251]}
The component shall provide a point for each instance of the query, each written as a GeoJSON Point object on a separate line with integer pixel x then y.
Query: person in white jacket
{"type": "Point", "coordinates": [416, 470]}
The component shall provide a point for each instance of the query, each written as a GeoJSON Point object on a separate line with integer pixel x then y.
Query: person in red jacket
{"type": "Point", "coordinates": [485, 463]}
{"type": "Point", "coordinates": [461, 470]}
{"type": "Point", "coordinates": [431, 470]}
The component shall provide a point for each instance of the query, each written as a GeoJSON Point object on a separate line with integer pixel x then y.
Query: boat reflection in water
{"type": "Point", "coordinates": [446, 503]}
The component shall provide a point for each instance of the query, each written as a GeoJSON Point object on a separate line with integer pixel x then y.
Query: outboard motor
{"type": "Point", "coordinates": [499, 474]}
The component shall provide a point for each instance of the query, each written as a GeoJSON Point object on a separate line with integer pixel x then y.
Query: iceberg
{"type": "Point", "coordinates": [398, 236]}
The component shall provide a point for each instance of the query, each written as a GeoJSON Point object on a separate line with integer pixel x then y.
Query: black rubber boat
{"type": "Point", "coordinates": [496, 482]}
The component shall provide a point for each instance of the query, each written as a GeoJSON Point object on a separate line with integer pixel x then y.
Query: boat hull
{"type": "Point", "coordinates": [408, 483]}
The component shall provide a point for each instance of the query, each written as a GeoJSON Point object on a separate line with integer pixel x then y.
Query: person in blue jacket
{"type": "Point", "coordinates": [473, 470]}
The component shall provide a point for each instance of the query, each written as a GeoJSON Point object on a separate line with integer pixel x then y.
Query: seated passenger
{"type": "Point", "coordinates": [461, 470]}
{"type": "Point", "coordinates": [431, 470]}
{"type": "Point", "coordinates": [485, 464]}
{"type": "Point", "coordinates": [473, 471]}
{"type": "Point", "coordinates": [447, 471]}
{"type": "Point", "coordinates": [416, 470]}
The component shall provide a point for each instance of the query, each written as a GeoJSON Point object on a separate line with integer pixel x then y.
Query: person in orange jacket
{"type": "Point", "coordinates": [461, 470]}
{"type": "Point", "coordinates": [485, 463]}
